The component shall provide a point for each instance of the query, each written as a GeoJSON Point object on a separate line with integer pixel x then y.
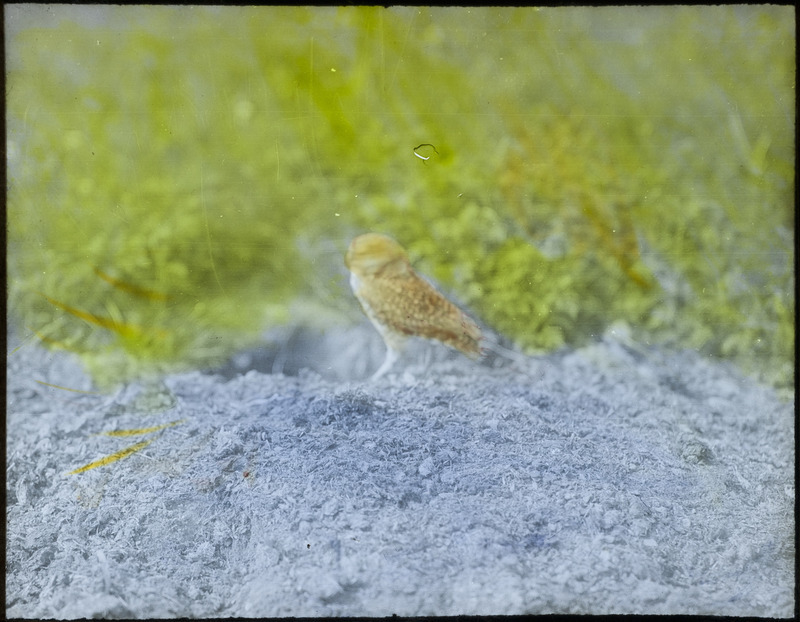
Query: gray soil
{"type": "Point", "coordinates": [616, 478]}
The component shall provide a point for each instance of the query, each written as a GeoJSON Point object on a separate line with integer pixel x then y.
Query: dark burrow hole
{"type": "Point", "coordinates": [342, 354]}
{"type": "Point", "coordinates": [299, 350]}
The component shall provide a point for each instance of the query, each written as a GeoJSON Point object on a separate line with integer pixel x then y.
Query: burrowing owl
{"type": "Point", "coordinates": [401, 304]}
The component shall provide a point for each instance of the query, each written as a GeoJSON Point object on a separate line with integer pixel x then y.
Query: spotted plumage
{"type": "Point", "coordinates": [401, 304]}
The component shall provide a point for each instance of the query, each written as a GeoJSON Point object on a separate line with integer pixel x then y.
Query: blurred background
{"type": "Point", "coordinates": [184, 180]}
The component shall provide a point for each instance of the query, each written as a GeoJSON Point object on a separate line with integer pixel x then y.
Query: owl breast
{"type": "Point", "coordinates": [393, 339]}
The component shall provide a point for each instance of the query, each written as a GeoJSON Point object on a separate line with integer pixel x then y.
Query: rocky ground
{"type": "Point", "coordinates": [616, 478]}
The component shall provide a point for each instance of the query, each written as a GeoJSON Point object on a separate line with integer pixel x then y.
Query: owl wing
{"type": "Point", "coordinates": [410, 306]}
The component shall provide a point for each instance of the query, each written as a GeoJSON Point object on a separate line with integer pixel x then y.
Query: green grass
{"type": "Point", "coordinates": [591, 166]}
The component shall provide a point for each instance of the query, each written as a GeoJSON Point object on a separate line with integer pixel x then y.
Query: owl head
{"type": "Point", "coordinates": [374, 254]}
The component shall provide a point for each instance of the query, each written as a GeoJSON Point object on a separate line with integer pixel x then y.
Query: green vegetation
{"type": "Point", "coordinates": [181, 177]}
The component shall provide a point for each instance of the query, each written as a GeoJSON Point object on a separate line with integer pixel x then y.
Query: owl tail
{"type": "Point", "coordinates": [491, 346]}
{"type": "Point", "coordinates": [470, 342]}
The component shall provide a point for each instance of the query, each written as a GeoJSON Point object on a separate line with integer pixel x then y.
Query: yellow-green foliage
{"type": "Point", "coordinates": [588, 166]}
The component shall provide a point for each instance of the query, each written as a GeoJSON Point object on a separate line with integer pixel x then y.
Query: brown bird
{"type": "Point", "coordinates": [401, 304]}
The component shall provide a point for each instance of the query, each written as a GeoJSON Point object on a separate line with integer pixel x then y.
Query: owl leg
{"type": "Point", "coordinates": [391, 357]}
